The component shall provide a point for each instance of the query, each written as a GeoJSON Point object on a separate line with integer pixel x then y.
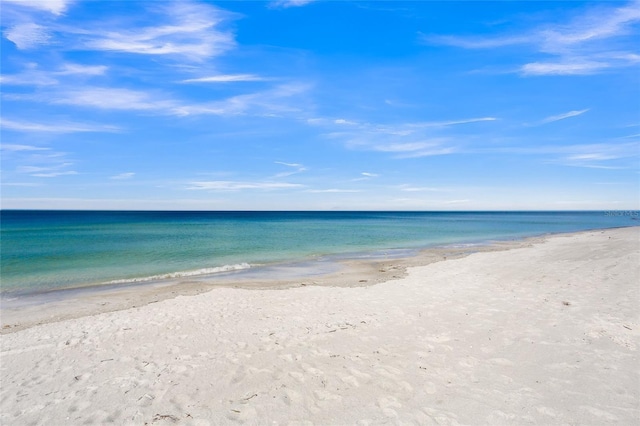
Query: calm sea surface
{"type": "Point", "coordinates": [45, 250]}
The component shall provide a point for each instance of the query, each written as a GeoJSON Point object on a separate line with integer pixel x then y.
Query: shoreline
{"type": "Point", "coordinates": [346, 271]}
{"type": "Point", "coordinates": [544, 332]}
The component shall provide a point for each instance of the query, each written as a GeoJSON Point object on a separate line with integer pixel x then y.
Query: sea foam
{"type": "Point", "coordinates": [182, 274]}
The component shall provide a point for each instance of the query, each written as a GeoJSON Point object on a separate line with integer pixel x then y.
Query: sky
{"type": "Point", "coordinates": [314, 105]}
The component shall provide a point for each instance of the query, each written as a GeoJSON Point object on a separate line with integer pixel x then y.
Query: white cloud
{"type": "Point", "coordinates": [411, 148]}
{"type": "Point", "coordinates": [346, 122]}
{"type": "Point", "coordinates": [62, 127]}
{"type": "Point", "coordinates": [56, 7]}
{"type": "Point", "coordinates": [452, 122]}
{"type": "Point", "coordinates": [225, 185]}
{"type": "Point", "coordinates": [298, 168]}
{"type": "Point", "coordinates": [280, 100]}
{"type": "Point", "coordinates": [55, 174]}
{"type": "Point", "coordinates": [114, 98]}
{"type": "Point", "coordinates": [29, 78]}
{"type": "Point", "coordinates": [296, 165]}
{"type": "Point", "coordinates": [600, 38]}
{"type": "Point", "coordinates": [28, 35]}
{"type": "Point", "coordinates": [78, 69]}
{"type": "Point", "coordinates": [48, 171]}
{"type": "Point", "coordinates": [564, 116]}
{"type": "Point", "coordinates": [290, 3]}
{"type": "Point", "coordinates": [405, 140]}
{"type": "Point", "coordinates": [225, 78]}
{"type": "Point", "coordinates": [367, 174]}
{"type": "Point", "coordinates": [597, 156]}
{"type": "Point", "coordinates": [21, 184]}
{"type": "Point", "coordinates": [571, 66]}
{"type": "Point", "coordinates": [474, 42]}
{"type": "Point", "coordinates": [123, 176]}
{"type": "Point", "coordinates": [415, 149]}
{"type": "Point", "coordinates": [17, 148]}
{"type": "Point", "coordinates": [597, 24]}
{"type": "Point", "coordinates": [33, 76]}
{"type": "Point", "coordinates": [409, 188]}
{"type": "Point", "coordinates": [333, 191]}
{"type": "Point", "coordinates": [189, 30]}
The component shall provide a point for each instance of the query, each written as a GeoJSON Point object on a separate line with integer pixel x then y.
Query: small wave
{"type": "Point", "coordinates": [197, 272]}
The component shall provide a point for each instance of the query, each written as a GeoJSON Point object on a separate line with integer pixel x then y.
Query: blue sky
{"type": "Point", "coordinates": [320, 105]}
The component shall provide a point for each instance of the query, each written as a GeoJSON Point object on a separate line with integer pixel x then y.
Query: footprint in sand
{"type": "Point", "coordinates": [298, 376]}
{"type": "Point", "coordinates": [387, 405]}
{"type": "Point", "coordinates": [324, 395]}
{"type": "Point", "coordinates": [350, 380]}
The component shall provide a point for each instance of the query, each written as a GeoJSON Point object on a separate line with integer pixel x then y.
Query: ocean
{"type": "Point", "coordinates": [48, 250]}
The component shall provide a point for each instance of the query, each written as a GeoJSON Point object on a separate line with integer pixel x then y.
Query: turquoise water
{"type": "Point", "coordinates": [45, 250]}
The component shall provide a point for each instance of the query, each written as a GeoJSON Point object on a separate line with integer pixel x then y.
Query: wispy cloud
{"type": "Point", "coordinates": [418, 149]}
{"type": "Point", "coordinates": [79, 69]}
{"type": "Point", "coordinates": [184, 29]}
{"type": "Point", "coordinates": [563, 116]}
{"type": "Point", "coordinates": [22, 184]}
{"type": "Point", "coordinates": [61, 127]}
{"type": "Point", "coordinates": [28, 35]}
{"type": "Point", "coordinates": [279, 100]}
{"type": "Point", "coordinates": [474, 42]}
{"type": "Point", "coordinates": [596, 156]}
{"type": "Point", "coordinates": [56, 7]}
{"type": "Point", "coordinates": [18, 148]}
{"type": "Point", "coordinates": [55, 174]}
{"type": "Point", "coordinates": [123, 176]}
{"type": "Point", "coordinates": [114, 99]}
{"type": "Point", "coordinates": [225, 185]}
{"type": "Point", "coordinates": [296, 168]}
{"type": "Point", "coordinates": [567, 66]}
{"type": "Point", "coordinates": [410, 188]}
{"type": "Point", "coordinates": [405, 140]}
{"type": "Point", "coordinates": [48, 171]}
{"type": "Point", "coordinates": [365, 176]}
{"type": "Point", "coordinates": [332, 191]}
{"type": "Point", "coordinates": [290, 3]}
{"type": "Point", "coordinates": [452, 122]}
{"type": "Point", "coordinates": [189, 30]}
{"type": "Point", "coordinates": [33, 76]}
{"type": "Point", "coordinates": [225, 78]}
{"type": "Point", "coordinates": [598, 39]}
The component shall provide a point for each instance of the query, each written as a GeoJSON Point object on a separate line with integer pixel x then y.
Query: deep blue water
{"type": "Point", "coordinates": [43, 250]}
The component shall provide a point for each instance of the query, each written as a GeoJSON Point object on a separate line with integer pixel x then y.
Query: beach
{"type": "Point", "coordinates": [544, 331]}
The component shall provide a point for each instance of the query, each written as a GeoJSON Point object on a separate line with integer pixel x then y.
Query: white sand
{"type": "Point", "coordinates": [547, 334]}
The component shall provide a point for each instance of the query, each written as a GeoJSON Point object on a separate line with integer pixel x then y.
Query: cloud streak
{"type": "Point", "coordinates": [297, 168]}
{"type": "Point", "coordinates": [189, 30]}
{"type": "Point", "coordinates": [63, 127]}
{"type": "Point", "coordinates": [18, 148]}
{"type": "Point", "coordinates": [564, 116]}
{"type": "Point", "coordinates": [592, 42]}
{"type": "Point", "coordinates": [123, 176]}
{"type": "Point", "coordinates": [289, 3]}
{"type": "Point", "coordinates": [225, 78]}
{"type": "Point", "coordinates": [280, 100]}
{"type": "Point", "coordinates": [28, 35]}
{"type": "Point", "coordinates": [404, 140]}
{"type": "Point", "coordinates": [225, 185]}
{"type": "Point", "coordinates": [56, 7]}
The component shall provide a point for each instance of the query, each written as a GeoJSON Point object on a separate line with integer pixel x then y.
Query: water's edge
{"type": "Point", "coordinates": [359, 270]}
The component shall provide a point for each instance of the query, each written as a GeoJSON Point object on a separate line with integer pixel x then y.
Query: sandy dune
{"type": "Point", "coordinates": [547, 334]}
